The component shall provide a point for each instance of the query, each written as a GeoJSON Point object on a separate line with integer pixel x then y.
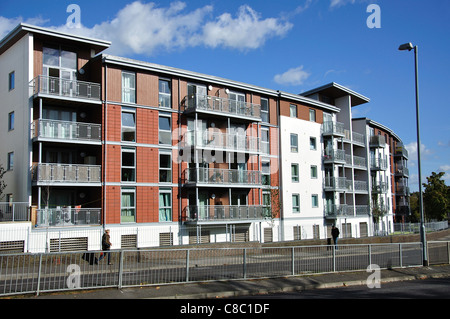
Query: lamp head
{"type": "Point", "coordinates": [406, 46]}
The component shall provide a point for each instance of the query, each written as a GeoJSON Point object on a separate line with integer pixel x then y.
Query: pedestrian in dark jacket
{"type": "Point", "coordinates": [335, 235]}
{"type": "Point", "coordinates": [106, 246]}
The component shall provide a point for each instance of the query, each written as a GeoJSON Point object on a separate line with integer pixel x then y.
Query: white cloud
{"type": "Point", "coordinates": [7, 25]}
{"type": "Point", "coordinates": [246, 31]}
{"type": "Point", "coordinates": [145, 28]}
{"type": "Point", "coordinates": [340, 3]}
{"type": "Point", "coordinates": [294, 76]}
{"type": "Point", "coordinates": [412, 150]}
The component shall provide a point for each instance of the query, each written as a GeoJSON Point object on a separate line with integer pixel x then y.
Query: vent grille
{"type": "Point", "coordinates": [16, 246]}
{"type": "Point", "coordinates": [68, 244]}
{"type": "Point", "coordinates": [128, 241]}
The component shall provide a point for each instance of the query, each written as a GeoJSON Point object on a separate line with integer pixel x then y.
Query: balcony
{"type": "Point", "coordinates": [337, 184]}
{"type": "Point", "coordinates": [358, 138]}
{"type": "Point", "coordinates": [226, 213]}
{"type": "Point", "coordinates": [222, 141]}
{"type": "Point", "coordinates": [402, 171]}
{"type": "Point", "coordinates": [333, 128]}
{"type": "Point", "coordinates": [378, 164]}
{"type": "Point", "coordinates": [48, 86]}
{"type": "Point", "coordinates": [334, 156]}
{"type": "Point", "coordinates": [222, 177]}
{"type": "Point", "coordinates": [67, 132]}
{"type": "Point", "coordinates": [380, 188]}
{"type": "Point", "coordinates": [377, 141]}
{"type": "Point", "coordinates": [222, 106]}
{"type": "Point", "coordinates": [68, 216]}
{"type": "Point", "coordinates": [361, 186]}
{"type": "Point", "coordinates": [66, 174]}
{"type": "Point", "coordinates": [401, 151]}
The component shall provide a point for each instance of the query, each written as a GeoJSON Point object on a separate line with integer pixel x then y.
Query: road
{"type": "Point", "coordinates": [438, 288]}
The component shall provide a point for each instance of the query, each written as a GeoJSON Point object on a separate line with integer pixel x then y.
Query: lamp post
{"type": "Point", "coordinates": [409, 47]}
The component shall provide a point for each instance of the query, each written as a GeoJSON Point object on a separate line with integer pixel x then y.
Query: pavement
{"type": "Point", "coordinates": [237, 288]}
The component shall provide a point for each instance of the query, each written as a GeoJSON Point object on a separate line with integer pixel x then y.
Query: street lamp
{"type": "Point", "coordinates": [409, 47]}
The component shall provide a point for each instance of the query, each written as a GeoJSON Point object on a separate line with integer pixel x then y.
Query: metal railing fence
{"type": "Point", "coordinates": [36, 273]}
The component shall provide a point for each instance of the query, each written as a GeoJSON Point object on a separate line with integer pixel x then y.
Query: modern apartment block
{"type": "Point", "coordinates": [164, 156]}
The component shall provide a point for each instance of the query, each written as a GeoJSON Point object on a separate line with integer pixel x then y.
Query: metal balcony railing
{"type": "Point", "coordinates": [334, 156]}
{"type": "Point", "coordinates": [333, 128]}
{"type": "Point", "coordinates": [49, 85]}
{"type": "Point", "coordinates": [66, 173]}
{"type": "Point", "coordinates": [222, 176]}
{"type": "Point", "coordinates": [218, 140]}
{"type": "Point", "coordinates": [65, 130]}
{"type": "Point", "coordinates": [378, 164]}
{"type": "Point", "coordinates": [211, 213]}
{"type": "Point", "coordinates": [220, 105]}
{"type": "Point", "coordinates": [377, 141]}
{"type": "Point", "coordinates": [67, 216]}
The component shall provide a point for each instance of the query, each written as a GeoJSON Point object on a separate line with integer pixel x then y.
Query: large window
{"type": "Point", "coordinates": [165, 131]}
{"type": "Point", "coordinates": [128, 164]}
{"type": "Point", "coordinates": [128, 87]}
{"type": "Point", "coordinates": [165, 167]}
{"type": "Point", "coordinates": [266, 203]}
{"type": "Point", "coordinates": [128, 125]}
{"type": "Point", "coordinates": [165, 205]}
{"type": "Point", "coordinates": [59, 63]}
{"type": "Point", "coordinates": [165, 93]}
{"type": "Point", "coordinates": [128, 205]}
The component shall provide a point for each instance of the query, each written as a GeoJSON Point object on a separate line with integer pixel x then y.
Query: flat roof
{"type": "Point", "coordinates": [23, 28]}
{"type": "Point", "coordinates": [335, 90]}
{"type": "Point", "coordinates": [195, 76]}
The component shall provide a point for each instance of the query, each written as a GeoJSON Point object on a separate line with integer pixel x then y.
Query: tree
{"type": "Point", "coordinates": [2, 182]}
{"type": "Point", "coordinates": [436, 197]}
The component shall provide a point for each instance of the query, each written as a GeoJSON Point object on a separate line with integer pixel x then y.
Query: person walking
{"type": "Point", "coordinates": [335, 235]}
{"type": "Point", "coordinates": [106, 246]}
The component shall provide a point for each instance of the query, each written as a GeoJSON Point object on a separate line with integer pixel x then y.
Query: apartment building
{"type": "Point", "coordinates": [164, 156]}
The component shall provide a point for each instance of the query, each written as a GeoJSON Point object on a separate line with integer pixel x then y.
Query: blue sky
{"type": "Point", "coordinates": [292, 46]}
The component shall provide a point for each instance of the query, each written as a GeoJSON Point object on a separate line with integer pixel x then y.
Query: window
{"type": "Point", "coordinates": [294, 143]}
{"type": "Point", "coordinates": [128, 165]}
{"type": "Point", "coordinates": [165, 94]}
{"type": "Point", "coordinates": [11, 121]}
{"type": "Point", "coordinates": [128, 205]}
{"type": "Point", "coordinates": [128, 125]}
{"type": "Point", "coordinates": [165, 205]}
{"type": "Point", "coordinates": [10, 163]}
{"type": "Point", "coordinates": [312, 115]}
{"type": "Point", "coordinates": [165, 167]}
{"type": "Point", "coordinates": [313, 171]}
{"type": "Point", "coordinates": [12, 80]}
{"type": "Point", "coordinates": [165, 132]}
{"type": "Point", "coordinates": [312, 143]}
{"type": "Point", "coordinates": [293, 110]}
{"type": "Point", "coordinates": [59, 63]}
{"type": "Point", "coordinates": [315, 200]}
{"type": "Point", "coordinates": [265, 110]}
{"type": "Point", "coordinates": [265, 172]}
{"type": "Point", "coordinates": [294, 173]}
{"type": "Point", "coordinates": [128, 87]}
{"type": "Point", "coordinates": [265, 145]}
{"type": "Point", "coordinates": [295, 203]}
